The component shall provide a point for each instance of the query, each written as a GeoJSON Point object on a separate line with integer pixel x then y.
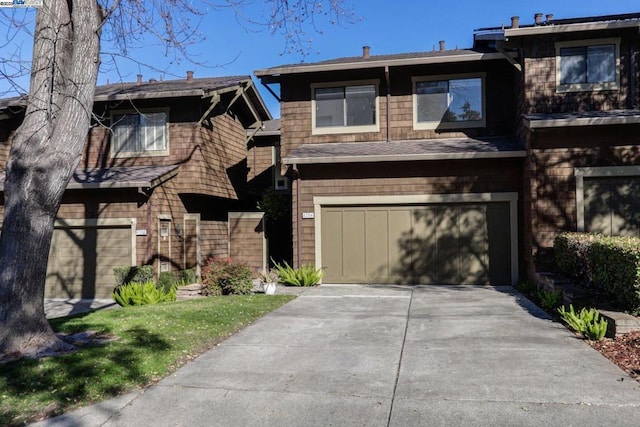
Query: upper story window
{"type": "Point", "coordinates": [345, 108]}
{"type": "Point", "coordinates": [588, 65]}
{"type": "Point", "coordinates": [140, 133]}
{"type": "Point", "coordinates": [448, 102]}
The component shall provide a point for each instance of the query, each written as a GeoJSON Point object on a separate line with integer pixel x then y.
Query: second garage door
{"type": "Point", "coordinates": [82, 259]}
{"type": "Point", "coordinates": [453, 243]}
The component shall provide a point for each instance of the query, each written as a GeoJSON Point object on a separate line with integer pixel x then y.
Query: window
{"type": "Point", "coordinates": [587, 65]}
{"type": "Point", "coordinates": [345, 108]}
{"type": "Point", "coordinates": [448, 103]}
{"type": "Point", "coordinates": [140, 133]}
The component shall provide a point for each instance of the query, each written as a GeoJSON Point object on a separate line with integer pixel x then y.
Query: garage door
{"type": "Point", "coordinates": [612, 206]}
{"type": "Point", "coordinates": [82, 260]}
{"type": "Point", "coordinates": [453, 243]}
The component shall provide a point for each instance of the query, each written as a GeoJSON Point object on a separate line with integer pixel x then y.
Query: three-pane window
{"type": "Point", "coordinates": [140, 132]}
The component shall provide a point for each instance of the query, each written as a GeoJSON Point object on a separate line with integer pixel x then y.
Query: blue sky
{"type": "Point", "coordinates": [387, 26]}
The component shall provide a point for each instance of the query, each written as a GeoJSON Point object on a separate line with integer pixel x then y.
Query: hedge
{"type": "Point", "coordinates": [611, 264]}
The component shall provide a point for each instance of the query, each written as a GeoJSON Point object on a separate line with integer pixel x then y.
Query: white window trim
{"type": "Point", "coordinates": [344, 129]}
{"type": "Point", "coordinates": [587, 87]}
{"type": "Point", "coordinates": [153, 153]}
{"type": "Point", "coordinates": [449, 125]}
{"type": "Point", "coordinates": [510, 197]}
{"type": "Point", "coordinates": [597, 172]}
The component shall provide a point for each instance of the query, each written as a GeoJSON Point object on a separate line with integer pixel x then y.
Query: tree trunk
{"type": "Point", "coordinates": [45, 151]}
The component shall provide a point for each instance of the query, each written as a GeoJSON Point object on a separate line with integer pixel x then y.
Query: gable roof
{"type": "Point", "coordinates": [377, 61]}
{"type": "Point", "coordinates": [195, 87]}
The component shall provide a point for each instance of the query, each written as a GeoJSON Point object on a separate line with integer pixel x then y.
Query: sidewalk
{"type": "Point", "coordinates": [386, 355]}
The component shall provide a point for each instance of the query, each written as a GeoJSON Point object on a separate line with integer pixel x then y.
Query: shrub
{"type": "Point", "coordinates": [572, 255]}
{"type": "Point", "coordinates": [186, 277]}
{"type": "Point", "coordinates": [549, 299]}
{"type": "Point", "coordinates": [587, 322]}
{"type": "Point", "coordinates": [133, 274]}
{"type": "Point", "coordinates": [306, 275]}
{"type": "Point", "coordinates": [611, 264]}
{"type": "Point", "coordinates": [167, 280]}
{"type": "Point", "coordinates": [142, 293]}
{"type": "Point", "coordinates": [226, 277]}
{"type": "Point", "coordinates": [615, 263]}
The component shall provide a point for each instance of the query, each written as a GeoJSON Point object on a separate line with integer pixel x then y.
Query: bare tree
{"type": "Point", "coordinates": [47, 147]}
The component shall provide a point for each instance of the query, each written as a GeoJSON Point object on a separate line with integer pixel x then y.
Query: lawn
{"type": "Point", "coordinates": [148, 342]}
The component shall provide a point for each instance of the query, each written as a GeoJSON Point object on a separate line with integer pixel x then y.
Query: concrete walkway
{"type": "Point", "coordinates": [60, 307]}
{"type": "Point", "coordinates": [388, 356]}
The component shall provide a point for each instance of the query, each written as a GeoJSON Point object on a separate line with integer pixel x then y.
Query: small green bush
{"type": "Point", "coordinates": [527, 288]}
{"type": "Point", "coordinates": [586, 322]}
{"type": "Point", "coordinates": [549, 299]}
{"type": "Point", "coordinates": [133, 274]}
{"type": "Point", "coordinates": [306, 275]}
{"type": "Point", "coordinates": [223, 276]}
{"type": "Point", "coordinates": [167, 280]}
{"type": "Point", "coordinates": [186, 277]}
{"type": "Point", "coordinates": [572, 255]}
{"type": "Point", "coordinates": [142, 293]}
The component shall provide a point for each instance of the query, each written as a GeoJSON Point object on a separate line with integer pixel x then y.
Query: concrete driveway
{"type": "Point", "coordinates": [385, 355]}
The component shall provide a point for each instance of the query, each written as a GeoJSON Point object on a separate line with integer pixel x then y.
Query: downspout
{"type": "Point", "coordinates": [386, 76]}
{"type": "Point", "coordinates": [296, 177]}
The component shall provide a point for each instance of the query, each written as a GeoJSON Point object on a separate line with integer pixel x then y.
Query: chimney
{"type": "Point", "coordinates": [537, 18]}
{"type": "Point", "coordinates": [365, 52]}
{"type": "Point", "coordinates": [515, 22]}
{"type": "Point", "coordinates": [442, 46]}
{"type": "Point", "coordinates": [549, 18]}
{"type": "Point", "coordinates": [189, 76]}
{"type": "Point", "coordinates": [139, 81]}
{"type": "Point", "coordinates": [152, 80]}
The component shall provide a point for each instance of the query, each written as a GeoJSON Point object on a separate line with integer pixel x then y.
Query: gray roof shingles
{"type": "Point", "coordinates": [117, 177]}
{"type": "Point", "coordinates": [436, 149]}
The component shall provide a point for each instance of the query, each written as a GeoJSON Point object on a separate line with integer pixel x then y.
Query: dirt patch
{"type": "Point", "coordinates": [624, 351]}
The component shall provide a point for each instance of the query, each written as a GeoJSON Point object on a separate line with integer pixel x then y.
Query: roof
{"type": "Point", "coordinates": [195, 87]}
{"type": "Point", "coordinates": [118, 177]}
{"type": "Point", "coordinates": [269, 128]}
{"type": "Point", "coordinates": [587, 118]}
{"type": "Point", "coordinates": [590, 23]}
{"type": "Point", "coordinates": [376, 61]}
{"type": "Point", "coordinates": [167, 88]}
{"type": "Point", "coordinates": [427, 149]}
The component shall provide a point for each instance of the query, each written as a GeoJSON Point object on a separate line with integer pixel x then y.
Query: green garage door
{"type": "Point", "coordinates": [458, 243]}
{"type": "Point", "coordinates": [612, 206]}
{"type": "Point", "coordinates": [82, 259]}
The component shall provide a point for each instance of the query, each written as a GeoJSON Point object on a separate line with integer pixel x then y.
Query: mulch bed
{"type": "Point", "coordinates": [624, 351]}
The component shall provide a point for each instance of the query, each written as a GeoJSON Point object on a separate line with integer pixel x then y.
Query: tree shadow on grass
{"type": "Point", "coordinates": [90, 374]}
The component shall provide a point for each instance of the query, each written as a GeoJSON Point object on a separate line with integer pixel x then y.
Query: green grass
{"type": "Point", "coordinates": [150, 342]}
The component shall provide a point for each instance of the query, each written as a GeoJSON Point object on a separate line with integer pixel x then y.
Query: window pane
{"type": "Point", "coordinates": [153, 131]}
{"type": "Point", "coordinates": [432, 100]}
{"type": "Point", "coordinates": [573, 65]}
{"type": "Point", "coordinates": [465, 100]}
{"type": "Point", "coordinates": [329, 107]}
{"type": "Point", "coordinates": [125, 132]}
{"type": "Point", "coordinates": [601, 64]}
{"type": "Point", "coordinates": [361, 105]}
